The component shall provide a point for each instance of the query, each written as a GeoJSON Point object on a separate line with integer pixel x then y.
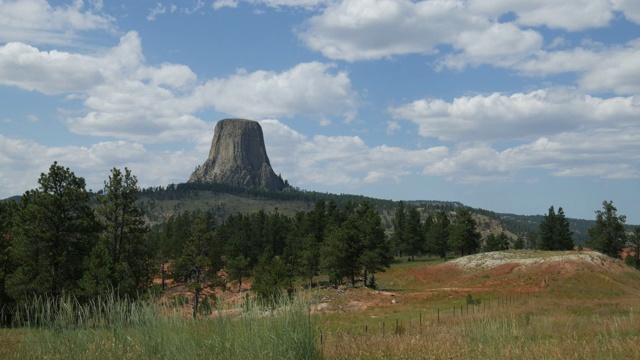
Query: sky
{"type": "Point", "coordinates": [507, 105]}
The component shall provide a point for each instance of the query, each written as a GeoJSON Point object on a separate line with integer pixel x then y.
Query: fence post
{"type": "Point", "coordinates": [438, 314]}
{"type": "Point", "coordinates": [396, 327]}
{"type": "Point", "coordinates": [383, 330]}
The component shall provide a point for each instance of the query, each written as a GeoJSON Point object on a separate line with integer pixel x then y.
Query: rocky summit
{"type": "Point", "coordinates": [238, 157]}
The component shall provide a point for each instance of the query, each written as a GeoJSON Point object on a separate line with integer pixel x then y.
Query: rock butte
{"type": "Point", "coordinates": [238, 157]}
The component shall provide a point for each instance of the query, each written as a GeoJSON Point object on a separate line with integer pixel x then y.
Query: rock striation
{"type": "Point", "coordinates": [238, 157]}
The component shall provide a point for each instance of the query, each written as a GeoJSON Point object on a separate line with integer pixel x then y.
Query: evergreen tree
{"type": "Point", "coordinates": [98, 275]}
{"type": "Point", "coordinates": [496, 243]}
{"type": "Point", "coordinates": [309, 258]}
{"type": "Point", "coordinates": [414, 237]}
{"type": "Point", "coordinates": [563, 232]}
{"type": "Point", "coordinates": [555, 233]}
{"type": "Point", "coordinates": [429, 246]}
{"type": "Point", "coordinates": [195, 265]}
{"type": "Point", "coordinates": [519, 244]}
{"type": "Point", "coordinates": [272, 275]}
{"type": "Point", "coordinates": [238, 268]}
{"type": "Point", "coordinates": [548, 227]}
{"type": "Point", "coordinates": [633, 258]}
{"type": "Point", "coordinates": [335, 256]}
{"type": "Point", "coordinates": [608, 235]}
{"type": "Point", "coordinates": [55, 231]}
{"type": "Point", "coordinates": [7, 212]}
{"type": "Point", "coordinates": [375, 255]}
{"type": "Point", "coordinates": [399, 229]}
{"type": "Point", "coordinates": [438, 235]}
{"type": "Point", "coordinates": [464, 237]}
{"type": "Point", "coordinates": [124, 233]}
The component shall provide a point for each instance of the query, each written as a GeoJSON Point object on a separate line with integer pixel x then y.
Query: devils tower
{"type": "Point", "coordinates": [238, 157]}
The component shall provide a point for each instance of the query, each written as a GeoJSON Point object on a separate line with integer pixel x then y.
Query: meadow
{"type": "Point", "coordinates": [426, 309]}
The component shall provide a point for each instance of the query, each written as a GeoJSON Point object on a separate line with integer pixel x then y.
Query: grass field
{"type": "Point", "coordinates": [553, 307]}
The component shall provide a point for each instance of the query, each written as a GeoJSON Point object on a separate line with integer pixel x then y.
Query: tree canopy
{"type": "Point", "coordinates": [608, 234]}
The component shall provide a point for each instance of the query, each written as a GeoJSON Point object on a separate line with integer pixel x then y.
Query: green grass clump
{"type": "Point", "coordinates": [114, 329]}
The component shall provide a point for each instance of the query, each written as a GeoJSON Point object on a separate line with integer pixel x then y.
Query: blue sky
{"type": "Point", "coordinates": [508, 105]}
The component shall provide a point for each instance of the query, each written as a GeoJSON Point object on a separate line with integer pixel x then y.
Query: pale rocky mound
{"type": "Point", "coordinates": [238, 157]}
{"type": "Point", "coordinates": [525, 258]}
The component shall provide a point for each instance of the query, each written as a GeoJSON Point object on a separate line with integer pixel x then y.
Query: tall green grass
{"type": "Point", "coordinates": [113, 329]}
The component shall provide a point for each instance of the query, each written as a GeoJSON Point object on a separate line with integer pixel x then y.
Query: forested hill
{"type": "Point", "coordinates": [159, 203]}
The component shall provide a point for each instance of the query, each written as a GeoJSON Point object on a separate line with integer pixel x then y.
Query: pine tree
{"type": "Point", "coordinates": [548, 227]}
{"type": "Point", "coordinates": [399, 229]}
{"type": "Point", "coordinates": [464, 237]}
{"type": "Point", "coordinates": [238, 268]}
{"type": "Point", "coordinates": [195, 265]}
{"type": "Point", "coordinates": [563, 232]}
{"type": "Point", "coordinates": [438, 235]}
{"type": "Point", "coordinates": [272, 276]}
{"type": "Point", "coordinates": [496, 243]}
{"type": "Point", "coordinates": [414, 237]}
{"type": "Point", "coordinates": [555, 233]}
{"type": "Point", "coordinates": [7, 213]}
{"type": "Point", "coordinates": [608, 235]}
{"type": "Point", "coordinates": [633, 258]}
{"type": "Point", "coordinates": [55, 231]}
{"type": "Point", "coordinates": [375, 255]}
{"type": "Point", "coordinates": [124, 233]}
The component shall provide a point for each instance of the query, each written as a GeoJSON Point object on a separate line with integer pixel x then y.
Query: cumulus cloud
{"type": "Point", "coordinates": [501, 45]}
{"type": "Point", "coordinates": [51, 72]}
{"type": "Point", "coordinates": [125, 98]}
{"type": "Point", "coordinates": [23, 160]}
{"type": "Point", "coordinates": [310, 89]}
{"type": "Point", "coordinates": [355, 30]}
{"type": "Point", "coordinates": [340, 160]}
{"type": "Point", "coordinates": [37, 22]}
{"type": "Point", "coordinates": [571, 15]}
{"type": "Point", "coordinates": [630, 8]}
{"type": "Point", "coordinates": [219, 4]}
{"type": "Point", "coordinates": [496, 117]}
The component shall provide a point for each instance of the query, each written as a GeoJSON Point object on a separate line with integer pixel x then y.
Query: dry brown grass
{"type": "Point", "coordinates": [569, 308]}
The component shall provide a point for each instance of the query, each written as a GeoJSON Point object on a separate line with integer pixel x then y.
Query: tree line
{"type": "Point", "coordinates": [446, 233]}
{"type": "Point", "coordinates": [61, 239]}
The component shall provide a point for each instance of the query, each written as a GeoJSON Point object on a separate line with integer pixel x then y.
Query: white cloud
{"type": "Point", "coordinates": [22, 162]}
{"type": "Point", "coordinates": [599, 68]}
{"type": "Point", "coordinates": [630, 8]}
{"type": "Point", "coordinates": [345, 161]}
{"type": "Point", "coordinates": [355, 30]}
{"type": "Point", "coordinates": [126, 99]}
{"type": "Point", "coordinates": [305, 4]}
{"type": "Point", "coordinates": [159, 9]}
{"type": "Point", "coordinates": [37, 22]}
{"type": "Point", "coordinates": [219, 4]}
{"type": "Point", "coordinates": [309, 89]}
{"type": "Point", "coordinates": [495, 117]}
{"type": "Point", "coordinates": [571, 15]}
{"type": "Point", "coordinates": [51, 72]}
{"type": "Point", "coordinates": [501, 45]}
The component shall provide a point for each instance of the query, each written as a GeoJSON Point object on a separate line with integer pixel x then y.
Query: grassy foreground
{"type": "Point", "coordinates": [518, 333]}
{"type": "Point", "coordinates": [111, 329]}
{"type": "Point", "coordinates": [579, 310]}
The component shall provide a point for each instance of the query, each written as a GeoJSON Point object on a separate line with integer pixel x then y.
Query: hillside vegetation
{"type": "Point", "coordinates": [160, 203]}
